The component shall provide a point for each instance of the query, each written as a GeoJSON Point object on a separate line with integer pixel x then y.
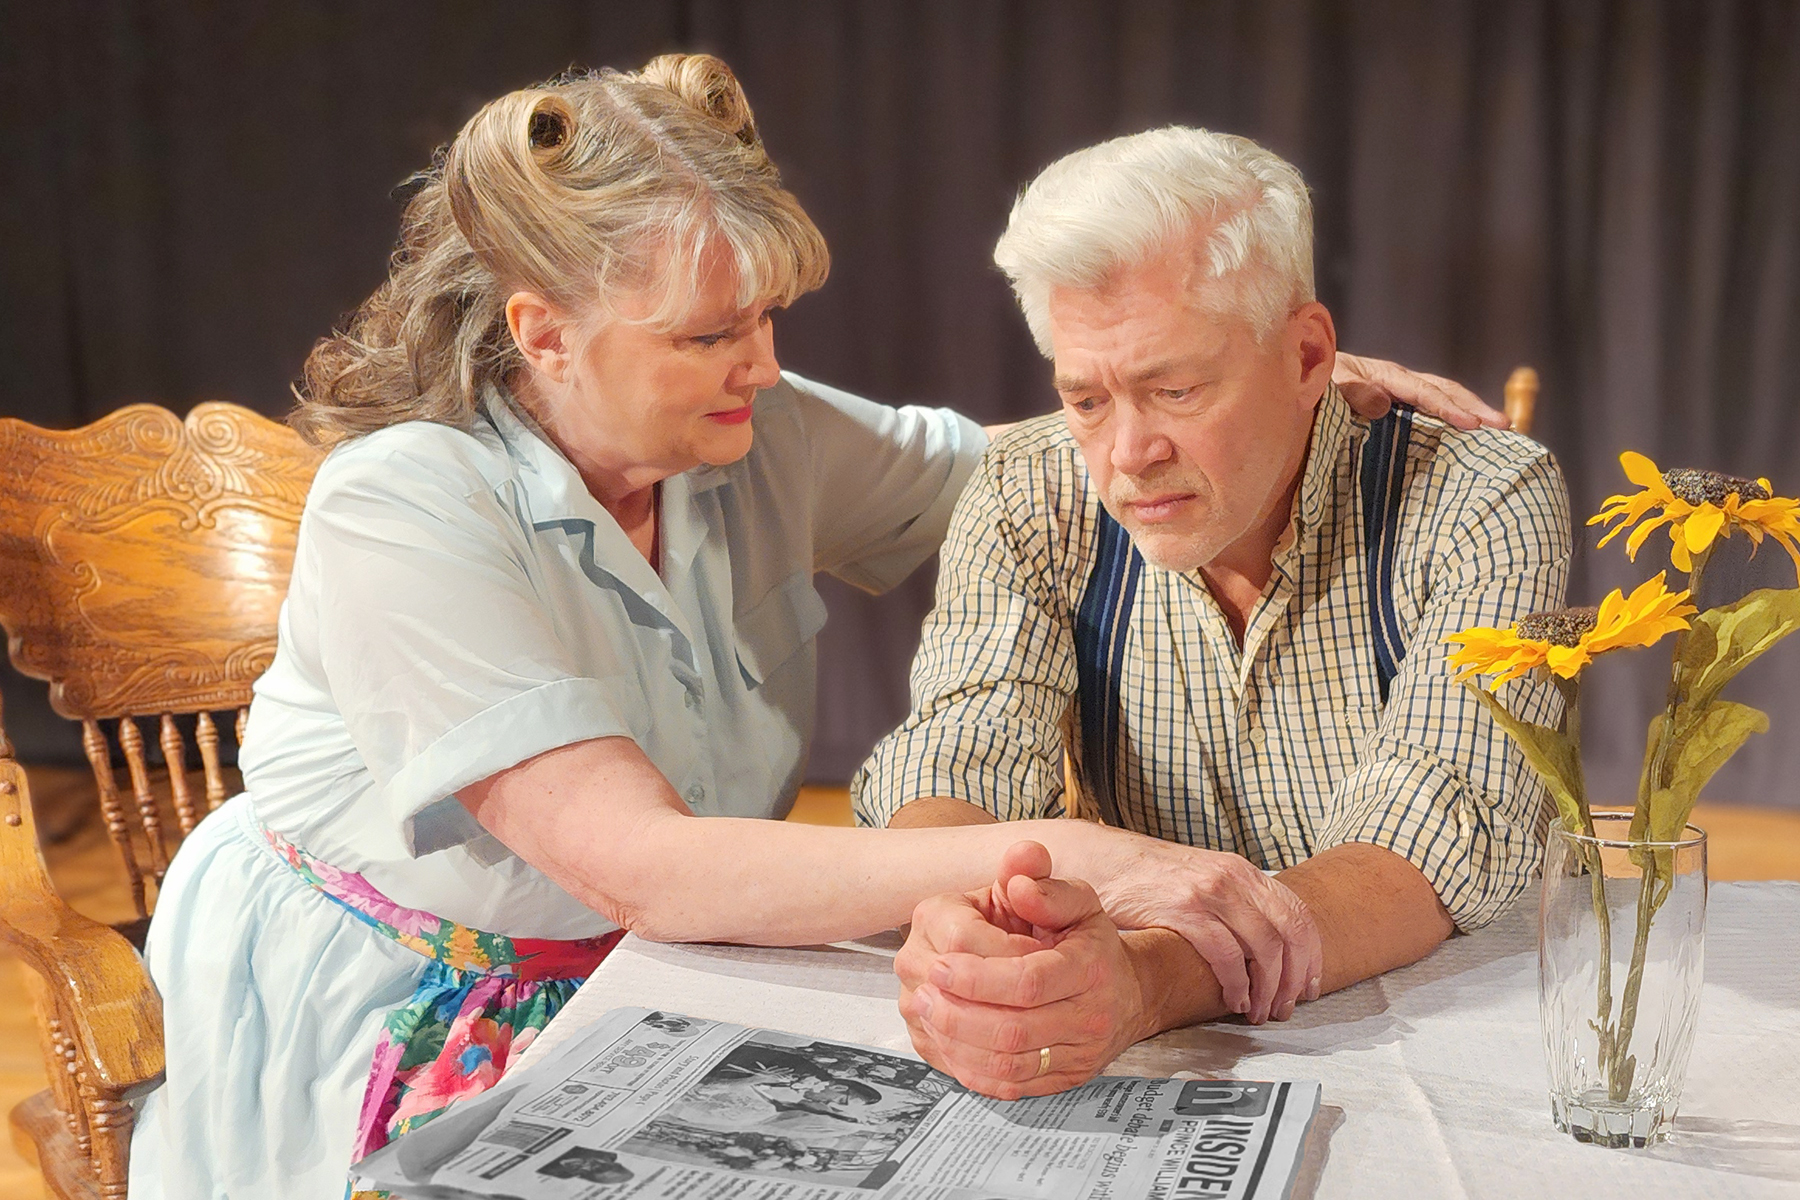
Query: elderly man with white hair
{"type": "Point", "coordinates": [1223, 592]}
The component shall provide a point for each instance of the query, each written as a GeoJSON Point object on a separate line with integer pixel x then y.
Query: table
{"type": "Point", "coordinates": [1433, 1075]}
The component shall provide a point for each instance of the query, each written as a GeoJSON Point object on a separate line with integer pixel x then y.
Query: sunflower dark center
{"type": "Point", "coordinates": [1563, 627]}
{"type": "Point", "coordinates": [1710, 487]}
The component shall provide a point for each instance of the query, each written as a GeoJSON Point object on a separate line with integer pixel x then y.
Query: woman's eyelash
{"type": "Point", "coordinates": [713, 339]}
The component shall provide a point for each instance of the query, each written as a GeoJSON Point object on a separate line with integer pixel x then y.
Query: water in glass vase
{"type": "Point", "coordinates": [1621, 953]}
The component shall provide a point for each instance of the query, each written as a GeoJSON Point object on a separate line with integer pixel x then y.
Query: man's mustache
{"type": "Point", "coordinates": [1133, 489]}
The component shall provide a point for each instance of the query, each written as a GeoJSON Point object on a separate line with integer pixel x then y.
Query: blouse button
{"type": "Point", "coordinates": [696, 794]}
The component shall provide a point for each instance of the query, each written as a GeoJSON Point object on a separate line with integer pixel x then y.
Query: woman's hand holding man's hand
{"type": "Point", "coordinates": [1255, 934]}
{"type": "Point", "coordinates": [991, 980]}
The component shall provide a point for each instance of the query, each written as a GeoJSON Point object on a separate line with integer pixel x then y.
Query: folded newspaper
{"type": "Point", "coordinates": [651, 1104]}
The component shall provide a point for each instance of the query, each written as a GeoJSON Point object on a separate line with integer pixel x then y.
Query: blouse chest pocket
{"type": "Point", "coordinates": [775, 628]}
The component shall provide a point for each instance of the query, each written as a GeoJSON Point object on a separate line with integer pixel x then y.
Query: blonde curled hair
{"type": "Point", "coordinates": [582, 189]}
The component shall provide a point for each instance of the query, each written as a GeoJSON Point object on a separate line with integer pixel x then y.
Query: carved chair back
{"type": "Point", "coordinates": [143, 562]}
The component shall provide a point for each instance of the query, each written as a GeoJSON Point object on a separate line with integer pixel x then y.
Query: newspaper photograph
{"type": "Point", "coordinates": [650, 1105]}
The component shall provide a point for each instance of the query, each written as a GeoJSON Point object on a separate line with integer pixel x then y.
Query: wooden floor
{"type": "Point", "coordinates": [1745, 843]}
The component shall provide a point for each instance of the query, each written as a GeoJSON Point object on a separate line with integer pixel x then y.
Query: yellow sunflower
{"type": "Point", "coordinates": [1699, 507]}
{"type": "Point", "coordinates": [1567, 639]}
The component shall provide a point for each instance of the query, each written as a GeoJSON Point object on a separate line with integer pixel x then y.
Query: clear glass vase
{"type": "Point", "coordinates": [1621, 952]}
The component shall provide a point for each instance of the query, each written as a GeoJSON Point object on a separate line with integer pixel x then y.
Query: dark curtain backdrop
{"type": "Point", "coordinates": [1609, 191]}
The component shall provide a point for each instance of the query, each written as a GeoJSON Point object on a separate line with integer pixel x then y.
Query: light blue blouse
{"type": "Point", "coordinates": [460, 603]}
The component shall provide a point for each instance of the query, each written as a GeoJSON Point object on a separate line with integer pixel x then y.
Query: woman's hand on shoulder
{"type": "Point", "coordinates": [1373, 385]}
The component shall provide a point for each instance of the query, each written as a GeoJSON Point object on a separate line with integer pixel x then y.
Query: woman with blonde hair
{"type": "Point", "coordinates": [552, 601]}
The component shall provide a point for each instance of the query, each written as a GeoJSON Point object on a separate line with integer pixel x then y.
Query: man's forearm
{"type": "Point", "coordinates": [929, 811]}
{"type": "Point", "coordinates": [1375, 912]}
{"type": "Point", "coordinates": [1179, 988]}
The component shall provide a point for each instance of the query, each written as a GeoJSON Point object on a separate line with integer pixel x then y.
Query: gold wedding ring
{"type": "Point", "coordinates": [1044, 1061]}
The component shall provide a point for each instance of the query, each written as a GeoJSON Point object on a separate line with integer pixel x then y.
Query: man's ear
{"type": "Point", "coordinates": [1315, 345]}
{"type": "Point", "coordinates": [539, 330]}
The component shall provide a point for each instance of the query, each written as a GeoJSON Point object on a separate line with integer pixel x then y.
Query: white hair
{"type": "Point", "coordinates": [1112, 206]}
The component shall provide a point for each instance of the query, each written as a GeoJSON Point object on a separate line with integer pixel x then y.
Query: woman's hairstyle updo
{"type": "Point", "coordinates": [582, 189]}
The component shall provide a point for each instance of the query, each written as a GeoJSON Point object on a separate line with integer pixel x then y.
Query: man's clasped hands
{"type": "Point", "coordinates": [1035, 984]}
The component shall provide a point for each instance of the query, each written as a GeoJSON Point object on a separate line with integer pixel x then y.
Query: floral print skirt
{"type": "Point", "coordinates": [483, 1000]}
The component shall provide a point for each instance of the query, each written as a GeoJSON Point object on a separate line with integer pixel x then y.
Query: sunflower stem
{"type": "Point", "coordinates": [1590, 855]}
{"type": "Point", "coordinates": [1656, 779]}
{"type": "Point", "coordinates": [1620, 1071]}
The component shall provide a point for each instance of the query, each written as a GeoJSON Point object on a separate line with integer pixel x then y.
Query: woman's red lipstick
{"type": "Point", "coordinates": [736, 416]}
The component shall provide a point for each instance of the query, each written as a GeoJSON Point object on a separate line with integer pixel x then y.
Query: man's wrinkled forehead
{"type": "Point", "coordinates": [1138, 376]}
{"type": "Point", "coordinates": [1151, 345]}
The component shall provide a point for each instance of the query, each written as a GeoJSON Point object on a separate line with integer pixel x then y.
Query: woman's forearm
{"type": "Point", "coordinates": [604, 823]}
{"type": "Point", "coordinates": [774, 883]}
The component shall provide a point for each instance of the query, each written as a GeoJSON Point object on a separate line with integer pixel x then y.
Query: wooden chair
{"type": "Point", "coordinates": [143, 562]}
{"type": "Point", "coordinates": [1520, 398]}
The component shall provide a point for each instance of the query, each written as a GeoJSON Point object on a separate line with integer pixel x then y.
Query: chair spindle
{"type": "Point", "coordinates": [110, 1119]}
{"type": "Point", "coordinates": [243, 717]}
{"type": "Point", "coordinates": [99, 757]}
{"type": "Point", "coordinates": [180, 790]}
{"type": "Point", "coordinates": [207, 734]}
{"type": "Point", "coordinates": [131, 740]}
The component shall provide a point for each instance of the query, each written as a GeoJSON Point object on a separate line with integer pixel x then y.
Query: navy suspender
{"type": "Point", "coordinates": [1101, 625]}
{"type": "Point", "coordinates": [1103, 621]}
{"type": "Point", "coordinates": [1383, 491]}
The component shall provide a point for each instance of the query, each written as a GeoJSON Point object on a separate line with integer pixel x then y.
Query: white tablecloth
{"type": "Point", "coordinates": [1433, 1075]}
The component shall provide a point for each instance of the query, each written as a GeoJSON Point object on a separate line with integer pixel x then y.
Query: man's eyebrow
{"type": "Point", "coordinates": [1071, 383]}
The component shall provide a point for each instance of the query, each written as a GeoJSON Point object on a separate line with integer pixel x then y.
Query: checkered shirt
{"type": "Point", "coordinates": [1280, 749]}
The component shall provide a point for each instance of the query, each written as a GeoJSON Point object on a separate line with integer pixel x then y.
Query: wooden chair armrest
{"type": "Point", "coordinates": [101, 991]}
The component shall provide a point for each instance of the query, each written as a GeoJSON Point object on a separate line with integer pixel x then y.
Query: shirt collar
{"type": "Point", "coordinates": [556, 487]}
{"type": "Point", "coordinates": [1331, 429]}
{"type": "Point", "coordinates": [556, 494]}
{"type": "Point", "coordinates": [1318, 479]}
{"type": "Point", "coordinates": [705, 479]}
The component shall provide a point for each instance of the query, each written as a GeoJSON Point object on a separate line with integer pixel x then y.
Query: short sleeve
{"type": "Point", "coordinates": [439, 654]}
{"type": "Point", "coordinates": [884, 481]}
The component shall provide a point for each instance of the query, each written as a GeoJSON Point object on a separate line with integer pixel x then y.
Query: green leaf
{"type": "Point", "coordinates": [1725, 640]}
{"type": "Point", "coordinates": [1555, 758]}
{"type": "Point", "coordinates": [1704, 742]}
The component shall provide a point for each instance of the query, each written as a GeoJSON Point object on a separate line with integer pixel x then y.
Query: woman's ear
{"type": "Point", "coordinates": [539, 331]}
